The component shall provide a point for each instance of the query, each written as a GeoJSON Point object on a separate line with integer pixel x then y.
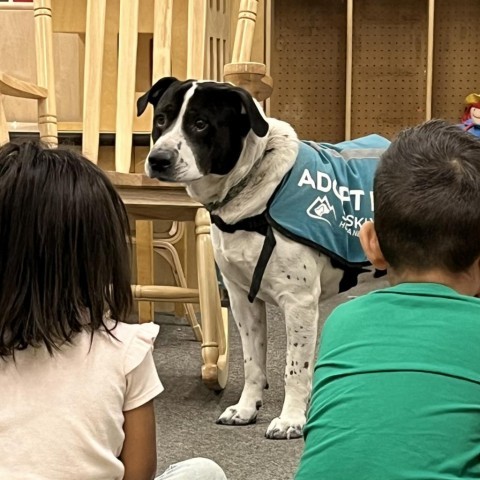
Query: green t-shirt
{"type": "Point", "coordinates": [396, 389]}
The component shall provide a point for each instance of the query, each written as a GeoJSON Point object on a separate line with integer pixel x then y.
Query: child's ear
{"type": "Point", "coordinates": [476, 267]}
{"type": "Point", "coordinates": [371, 247]}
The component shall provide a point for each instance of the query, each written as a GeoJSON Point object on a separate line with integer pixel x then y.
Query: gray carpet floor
{"type": "Point", "coordinates": [186, 411]}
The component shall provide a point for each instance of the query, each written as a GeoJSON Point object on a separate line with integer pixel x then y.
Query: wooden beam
{"type": "Point", "coordinates": [15, 87]}
{"type": "Point", "coordinates": [127, 61]}
{"type": "Point", "coordinates": [197, 19]}
{"type": "Point", "coordinates": [165, 293]}
{"type": "Point", "coordinates": [349, 67]}
{"type": "Point", "coordinates": [430, 45]}
{"type": "Point", "coordinates": [92, 88]}
{"type": "Point", "coordinates": [47, 107]}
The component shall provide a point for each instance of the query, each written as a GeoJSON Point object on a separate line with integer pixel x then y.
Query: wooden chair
{"type": "Point", "coordinates": [145, 199]}
{"type": "Point", "coordinates": [42, 90]}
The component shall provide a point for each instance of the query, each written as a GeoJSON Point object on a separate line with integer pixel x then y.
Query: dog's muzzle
{"type": "Point", "coordinates": [161, 161]}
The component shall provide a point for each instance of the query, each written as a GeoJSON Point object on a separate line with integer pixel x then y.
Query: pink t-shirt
{"type": "Point", "coordinates": [61, 417]}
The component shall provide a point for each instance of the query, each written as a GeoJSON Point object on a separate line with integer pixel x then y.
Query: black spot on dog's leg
{"type": "Point", "coordinates": [288, 276]}
{"type": "Point", "coordinates": [291, 372]}
{"type": "Point", "coordinates": [258, 404]}
{"type": "Point", "coordinates": [305, 267]}
{"type": "Point", "coordinates": [295, 344]}
{"type": "Point", "coordinates": [305, 365]}
{"type": "Point", "coordinates": [267, 386]}
{"type": "Point", "coordinates": [179, 145]}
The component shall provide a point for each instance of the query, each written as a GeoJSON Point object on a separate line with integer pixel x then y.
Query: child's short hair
{"type": "Point", "coordinates": [64, 255]}
{"type": "Point", "coordinates": [427, 198]}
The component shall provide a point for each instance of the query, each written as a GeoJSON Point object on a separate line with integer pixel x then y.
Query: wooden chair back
{"type": "Point", "coordinates": [252, 76]}
{"type": "Point", "coordinates": [207, 44]}
{"type": "Point", "coordinates": [44, 89]}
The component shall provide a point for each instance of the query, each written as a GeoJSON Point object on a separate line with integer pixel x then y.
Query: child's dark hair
{"type": "Point", "coordinates": [64, 255]}
{"type": "Point", "coordinates": [427, 198]}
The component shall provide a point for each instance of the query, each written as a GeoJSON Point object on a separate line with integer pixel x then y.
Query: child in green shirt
{"type": "Point", "coordinates": [396, 389]}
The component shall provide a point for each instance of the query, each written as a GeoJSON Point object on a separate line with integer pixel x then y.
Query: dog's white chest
{"type": "Point", "coordinates": [293, 268]}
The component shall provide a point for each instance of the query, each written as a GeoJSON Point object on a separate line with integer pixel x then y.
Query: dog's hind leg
{"type": "Point", "coordinates": [301, 318]}
{"type": "Point", "coordinates": [252, 325]}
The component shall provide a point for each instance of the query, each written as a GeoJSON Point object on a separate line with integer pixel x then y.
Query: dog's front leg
{"type": "Point", "coordinates": [251, 322]}
{"type": "Point", "coordinates": [301, 318]}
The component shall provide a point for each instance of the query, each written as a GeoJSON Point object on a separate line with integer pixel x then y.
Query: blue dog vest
{"type": "Point", "coordinates": [327, 196]}
{"type": "Point", "coordinates": [322, 202]}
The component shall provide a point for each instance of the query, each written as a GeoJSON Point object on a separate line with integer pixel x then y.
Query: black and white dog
{"type": "Point", "coordinates": [215, 138]}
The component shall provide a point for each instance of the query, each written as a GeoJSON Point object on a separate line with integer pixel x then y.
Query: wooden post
{"type": "Point", "coordinates": [4, 136]}
{"type": "Point", "coordinates": [251, 76]}
{"type": "Point", "coordinates": [214, 325]}
{"type": "Point", "coordinates": [162, 39]}
{"type": "Point", "coordinates": [144, 251]}
{"type": "Point", "coordinates": [94, 46]}
{"type": "Point", "coordinates": [127, 62]}
{"type": "Point", "coordinates": [349, 67]}
{"type": "Point", "coordinates": [268, 45]}
{"type": "Point", "coordinates": [47, 108]}
{"type": "Point", "coordinates": [430, 42]}
{"type": "Point", "coordinates": [197, 21]}
{"type": "Point", "coordinates": [247, 17]}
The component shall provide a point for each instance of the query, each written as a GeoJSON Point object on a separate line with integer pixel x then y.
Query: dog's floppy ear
{"type": "Point", "coordinates": [154, 94]}
{"type": "Point", "coordinates": [257, 122]}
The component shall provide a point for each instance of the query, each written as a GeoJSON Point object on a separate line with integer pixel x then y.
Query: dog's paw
{"type": "Point", "coordinates": [285, 429]}
{"type": "Point", "coordinates": [236, 415]}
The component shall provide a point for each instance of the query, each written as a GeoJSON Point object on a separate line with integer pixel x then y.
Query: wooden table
{"type": "Point", "coordinates": [149, 199]}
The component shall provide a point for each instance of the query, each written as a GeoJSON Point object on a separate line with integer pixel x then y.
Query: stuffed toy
{"type": "Point", "coordinates": [471, 114]}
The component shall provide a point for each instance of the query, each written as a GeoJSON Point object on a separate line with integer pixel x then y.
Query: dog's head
{"type": "Point", "coordinates": [199, 128]}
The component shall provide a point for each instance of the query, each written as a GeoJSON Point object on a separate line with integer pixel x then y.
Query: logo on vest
{"type": "Point", "coordinates": [360, 201]}
{"type": "Point", "coordinates": [320, 208]}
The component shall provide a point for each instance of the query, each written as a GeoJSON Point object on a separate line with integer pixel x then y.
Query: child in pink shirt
{"type": "Point", "coordinates": [77, 383]}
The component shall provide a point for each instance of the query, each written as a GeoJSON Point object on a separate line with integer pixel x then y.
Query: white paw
{"type": "Point", "coordinates": [286, 428]}
{"type": "Point", "coordinates": [237, 415]}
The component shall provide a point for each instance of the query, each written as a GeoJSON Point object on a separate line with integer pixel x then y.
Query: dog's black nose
{"type": "Point", "coordinates": [161, 160]}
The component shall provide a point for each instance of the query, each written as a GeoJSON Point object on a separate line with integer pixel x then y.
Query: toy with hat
{"type": "Point", "coordinates": [471, 114]}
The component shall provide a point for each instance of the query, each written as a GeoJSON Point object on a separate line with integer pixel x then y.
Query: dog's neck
{"type": "Point", "coordinates": [245, 191]}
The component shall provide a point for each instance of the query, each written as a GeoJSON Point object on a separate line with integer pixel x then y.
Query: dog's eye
{"type": "Point", "coordinates": [161, 120]}
{"type": "Point", "coordinates": [200, 125]}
